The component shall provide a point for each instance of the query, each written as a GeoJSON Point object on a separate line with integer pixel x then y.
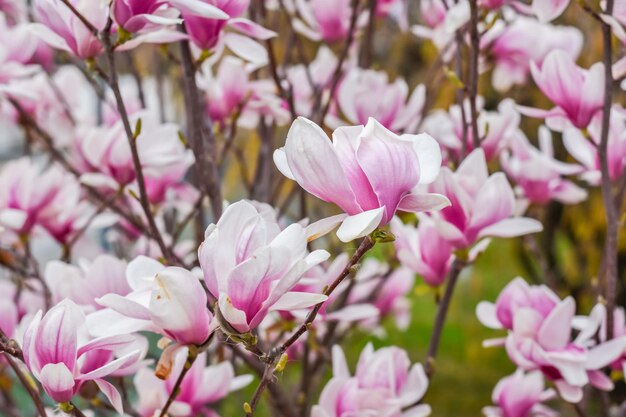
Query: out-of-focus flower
{"type": "Point", "coordinates": [167, 300]}
{"type": "Point", "coordinates": [442, 22]}
{"type": "Point", "coordinates": [585, 150]}
{"type": "Point", "coordinates": [62, 29]}
{"type": "Point", "coordinates": [26, 190]}
{"type": "Point", "coordinates": [495, 128]}
{"type": "Point", "coordinates": [327, 20]}
{"type": "Point", "coordinates": [520, 395]}
{"type": "Point", "coordinates": [201, 387]}
{"type": "Point", "coordinates": [423, 249]}
{"type": "Point", "coordinates": [540, 338]}
{"type": "Point", "coordinates": [136, 15]}
{"type": "Point", "coordinates": [577, 93]}
{"type": "Point", "coordinates": [538, 176]}
{"type": "Point", "coordinates": [482, 205]}
{"type": "Point", "coordinates": [227, 91]}
{"type": "Point", "coordinates": [547, 10]}
{"type": "Point", "coordinates": [109, 162]}
{"type": "Point", "coordinates": [208, 33]}
{"type": "Point", "coordinates": [89, 280]}
{"type": "Point", "coordinates": [367, 171]}
{"type": "Point", "coordinates": [526, 40]}
{"type": "Point", "coordinates": [250, 266]}
{"type": "Point", "coordinates": [385, 384]}
{"type": "Point", "coordinates": [368, 93]}
{"type": "Point", "coordinates": [385, 290]}
{"type": "Point", "coordinates": [306, 81]}
{"type": "Point", "coordinates": [59, 356]}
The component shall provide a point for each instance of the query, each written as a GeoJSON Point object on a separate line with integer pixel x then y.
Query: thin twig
{"type": "Point", "coordinates": [610, 248]}
{"type": "Point", "coordinates": [25, 382]}
{"type": "Point", "coordinates": [473, 71]}
{"type": "Point", "coordinates": [132, 142]}
{"type": "Point", "coordinates": [442, 312]}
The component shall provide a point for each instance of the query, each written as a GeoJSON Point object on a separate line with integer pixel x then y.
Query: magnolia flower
{"type": "Point", "coordinates": [59, 356]}
{"type": "Point", "coordinates": [540, 339]}
{"type": "Point", "coordinates": [167, 300]}
{"type": "Point", "coordinates": [386, 291]}
{"type": "Point", "coordinates": [109, 161]}
{"type": "Point", "coordinates": [585, 151]}
{"type": "Point", "coordinates": [250, 266]}
{"type": "Point", "coordinates": [577, 93]}
{"type": "Point", "coordinates": [442, 22]}
{"type": "Point", "coordinates": [306, 81]}
{"type": "Point", "coordinates": [227, 90]}
{"type": "Point", "coordinates": [495, 128]}
{"type": "Point", "coordinates": [520, 395]}
{"type": "Point", "coordinates": [423, 250]}
{"type": "Point", "coordinates": [89, 280]}
{"type": "Point", "coordinates": [367, 171]}
{"type": "Point", "coordinates": [385, 384]}
{"type": "Point", "coordinates": [62, 29]}
{"type": "Point", "coordinates": [208, 33]}
{"type": "Point", "coordinates": [526, 40]}
{"type": "Point", "coordinates": [547, 10]}
{"type": "Point", "coordinates": [201, 387]}
{"type": "Point", "coordinates": [327, 20]}
{"type": "Point", "coordinates": [368, 93]}
{"type": "Point", "coordinates": [482, 205]}
{"type": "Point", "coordinates": [26, 190]}
{"type": "Point", "coordinates": [539, 177]}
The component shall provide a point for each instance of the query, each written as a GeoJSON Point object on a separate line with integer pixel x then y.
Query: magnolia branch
{"type": "Point", "coordinates": [271, 360]}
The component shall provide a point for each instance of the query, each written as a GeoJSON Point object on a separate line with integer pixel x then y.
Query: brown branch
{"type": "Point", "coordinates": [612, 227]}
{"type": "Point", "coordinates": [442, 312]}
{"type": "Point", "coordinates": [339, 68]}
{"type": "Point", "coordinates": [271, 359]}
{"type": "Point", "coordinates": [34, 395]}
{"type": "Point", "coordinates": [473, 71]}
{"type": "Point", "coordinates": [132, 142]}
{"type": "Point", "coordinates": [205, 152]}
{"type": "Point", "coordinates": [191, 358]}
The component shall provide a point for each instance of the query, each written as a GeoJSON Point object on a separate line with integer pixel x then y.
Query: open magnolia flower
{"type": "Point", "coordinates": [521, 395]}
{"type": "Point", "coordinates": [166, 300]}
{"type": "Point", "coordinates": [59, 354]}
{"type": "Point", "coordinates": [250, 266]}
{"type": "Point", "coordinates": [483, 205]}
{"type": "Point", "coordinates": [385, 384]}
{"type": "Point", "coordinates": [369, 172]}
{"type": "Point", "coordinates": [540, 328]}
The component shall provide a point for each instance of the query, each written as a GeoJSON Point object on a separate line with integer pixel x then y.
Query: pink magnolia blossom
{"type": "Point", "coordinates": [167, 300]}
{"type": "Point", "coordinates": [547, 10]}
{"type": "Point", "coordinates": [539, 177]}
{"type": "Point", "coordinates": [304, 81]}
{"type": "Point", "coordinates": [526, 40]}
{"type": "Point", "coordinates": [540, 338]}
{"type": "Point", "coordinates": [585, 150]}
{"type": "Point", "coordinates": [88, 280]}
{"type": "Point", "coordinates": [385, 384]}
{"type": "Point", "coordinates": [202, 386]}
{"type": "Point", "coordinates": [227, 90]}
{"type": "Point", "coordinates": [250, 265]}
{"type": "Point", "coordinates": [387, 292]}
{"type": "Point", "coordinates": [495, 128]}
{"type": "Point", "coordinates": [327, 20]}
{"type": "Point", "coordinates": [442, 22]}
{"type": "Point", "coordinates": [106, 154]}
{"type": "Point", "coordinates": [577, 93]}
{"type": "Point", "coordinates": [482, 205]}
{"type": "Point", "coordinates": [62, 359]}
{"type": "Point", "coordinates": [368, 93]}
{"type": "Point", "coordinates": [423, 250]}
{"type": "Point", "coordinates": [369, 172]}
{"type": "Point", "coordinates": [62, 29]}
{"type": "Point", "coordinates": [26, 190]}
{"type": "Point", "coordinates": [208, 33]}
{"type": "Point", "coordinates": [521, 395]}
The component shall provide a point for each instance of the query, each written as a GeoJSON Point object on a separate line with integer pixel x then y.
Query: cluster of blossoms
{"type": "Point", "coordinates": [132, 269]}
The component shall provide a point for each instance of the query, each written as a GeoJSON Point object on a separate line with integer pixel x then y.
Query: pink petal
{"type": "Point", "coordinates": [555, 331]}
{"type": "Point", "coordinates": [112, 395]}
{"type": "Point", "coordinates": [359, 225]}
{"type": "Point", "coordinates": [423, 202]}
